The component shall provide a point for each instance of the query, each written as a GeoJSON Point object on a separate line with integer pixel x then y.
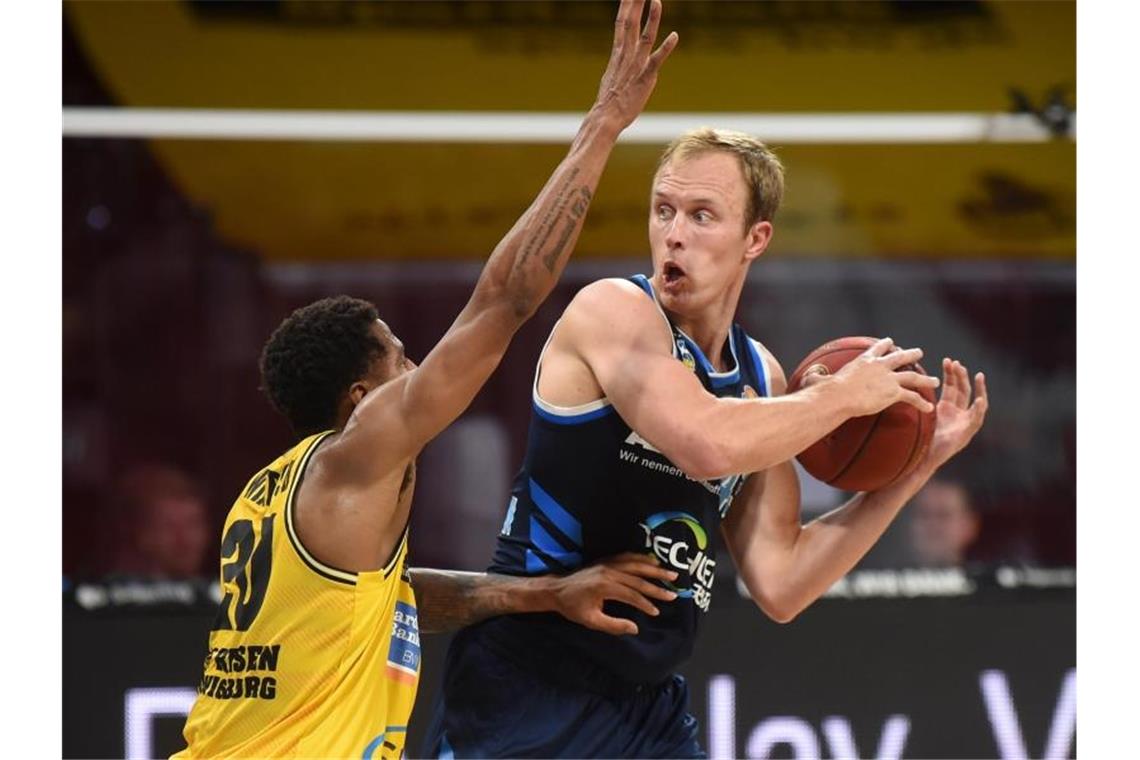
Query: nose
{"type": "Point", "coordinates": [675, 233]}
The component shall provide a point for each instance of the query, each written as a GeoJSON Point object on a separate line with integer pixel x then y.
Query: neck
{"type": "Point", "coordinates": [709, 325]}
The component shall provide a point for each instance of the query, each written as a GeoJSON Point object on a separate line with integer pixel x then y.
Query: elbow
{"type": "Point", "coordinates": [511, 304]}
{"type": "Point", "coordinates": [781, 615]}
{"type": "Point", "coordinates": [778, 608]}
{"type": "Point", "coordinates": [704, 459]}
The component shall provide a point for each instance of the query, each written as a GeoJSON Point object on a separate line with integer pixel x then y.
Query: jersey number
{"type": "Point", "coordinates": [245, 565]}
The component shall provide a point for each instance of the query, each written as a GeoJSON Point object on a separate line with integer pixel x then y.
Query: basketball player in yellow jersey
{"type": "Point", "coordinates": [315, 650]}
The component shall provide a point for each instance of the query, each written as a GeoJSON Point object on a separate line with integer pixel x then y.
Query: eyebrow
{"type": "Point", "coordinates": [700, 201]}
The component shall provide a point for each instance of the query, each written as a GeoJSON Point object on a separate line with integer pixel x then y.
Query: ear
{"type": "Point", "coordinates": [357, 392]}
{"type": "Point", "coordinates": [757, 239]}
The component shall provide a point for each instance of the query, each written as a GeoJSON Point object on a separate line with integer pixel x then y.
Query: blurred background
{"type": "Point", "coordinates": [955, 637]}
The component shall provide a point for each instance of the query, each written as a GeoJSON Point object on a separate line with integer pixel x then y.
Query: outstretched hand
{"type": "Point", "coordinates": [632, 71]}
{"type": "Point", "coordinates": [626, 578]}
{"type": "Point", "coordinates": [959, 417]}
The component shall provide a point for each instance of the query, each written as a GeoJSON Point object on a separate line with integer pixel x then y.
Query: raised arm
{"type": "Point", "coordinates": [394, 423]}
{"type": "Point", "coordinates": [704, 435]}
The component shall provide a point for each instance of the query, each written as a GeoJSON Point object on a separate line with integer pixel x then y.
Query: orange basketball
{"type": "Point", "coordinates": [865, 453]}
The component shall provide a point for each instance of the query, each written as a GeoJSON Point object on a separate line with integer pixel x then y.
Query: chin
{"type": "Point", "coordinates": [675, 302]}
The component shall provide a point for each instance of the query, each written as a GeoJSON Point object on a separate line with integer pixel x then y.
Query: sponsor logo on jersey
{"type": "Point", "coordinates": [404, 651]}
{"type": "Point", "coordinates": [685, 355]}
{"type": "Point", "coordinates": [725, 489]}
{"type": "Point", "coordinates": [242, 672]}
{"type": "Point", "coordinates": [633, 439]}
{"type": "Point", "coordinates": [680, 542]}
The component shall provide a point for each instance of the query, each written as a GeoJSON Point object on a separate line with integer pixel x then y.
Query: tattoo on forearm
{"type": "Point", "coordinates": [567, 199]}
{"type": "Point", "coordinates": [546, 225]}
{"type": "Point", "coordinates": [447, 600]}
{"type": "Point", "coordinates": [577, 211]}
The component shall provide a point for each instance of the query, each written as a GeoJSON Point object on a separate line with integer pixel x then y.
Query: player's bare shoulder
{"type": "Point", "coordinates": [615, 312]}
{"type": "Point", "coordinates": [607, 319]}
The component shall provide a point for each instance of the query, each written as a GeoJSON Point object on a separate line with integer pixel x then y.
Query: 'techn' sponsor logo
{"type": "Point", "coordinates": [679, 541]}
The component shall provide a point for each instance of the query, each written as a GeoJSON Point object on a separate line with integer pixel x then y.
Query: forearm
{"type": "Point", "coordinates": [528, 261]}
{"type": "Point", "coordinates": [757, 434]}
{"type": "Point", "coordinates": [447, 600]}
{"type": "Point", "coordinates": [828, 547]}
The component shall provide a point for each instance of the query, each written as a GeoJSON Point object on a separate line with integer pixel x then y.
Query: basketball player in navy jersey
{"type": "Point", "coordinates": [657, 421]}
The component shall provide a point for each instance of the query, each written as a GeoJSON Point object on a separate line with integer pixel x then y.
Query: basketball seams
{"type": "Point", "coordinates": [837, 354]}
{"type": "Point", "coordinates": [912, 458]}
{"type": "Point", "coordinates": [858, 451]}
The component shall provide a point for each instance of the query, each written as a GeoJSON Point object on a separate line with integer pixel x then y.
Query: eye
{"type": "Point", "coordinates": [703, 216]}
{"type": "Point", "coordinates": [664, 212]}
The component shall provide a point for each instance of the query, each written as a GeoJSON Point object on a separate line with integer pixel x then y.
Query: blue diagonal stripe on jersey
{"type": "Point", "coordinates": [536, 564]}
{"type": "Point", "coordinates": [542, 540]}
{"type": "Point", "coordinates": [557, 515]}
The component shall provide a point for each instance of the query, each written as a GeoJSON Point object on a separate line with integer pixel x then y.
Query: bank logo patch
{"type": "Point", "coordinates": [404, 651]}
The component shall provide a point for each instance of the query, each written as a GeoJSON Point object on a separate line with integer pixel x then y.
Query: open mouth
{"type": "Point", "coordinates": [672, 273]}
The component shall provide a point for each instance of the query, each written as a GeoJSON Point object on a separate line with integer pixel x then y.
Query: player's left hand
{"type": "Point", "coordinates": [959, 417]}
{"type": "Point", "coordinates": [626, 578]}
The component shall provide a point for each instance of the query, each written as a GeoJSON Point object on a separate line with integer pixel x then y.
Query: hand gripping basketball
{"type": "Point", "coordinates": [894, 421]}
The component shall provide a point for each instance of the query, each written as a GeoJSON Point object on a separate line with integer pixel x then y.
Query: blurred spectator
{"type": "Point", "coordinates": [943, 524]}
{"type": "Point", "coordinates": [165, 531]}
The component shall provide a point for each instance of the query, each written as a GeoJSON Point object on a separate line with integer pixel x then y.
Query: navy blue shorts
{"type": "Point", "coordinates": [492, 704]}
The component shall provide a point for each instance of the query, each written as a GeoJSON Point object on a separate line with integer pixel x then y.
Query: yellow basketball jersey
{"type": "Point", "coordinates": [304, 660]}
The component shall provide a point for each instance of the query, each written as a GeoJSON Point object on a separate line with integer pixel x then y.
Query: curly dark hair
{"type": "Point", "coordinates": [315, 356]}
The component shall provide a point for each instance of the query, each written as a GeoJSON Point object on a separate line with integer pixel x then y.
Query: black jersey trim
{"type": "Point", "coordinates": [391, 564]}
{"type": "Point", "coordinates": [643, 282]}
{"type": "Point", "coordinates": [717, 380]}
{"type": "Point", "coordinates": [346, 577]}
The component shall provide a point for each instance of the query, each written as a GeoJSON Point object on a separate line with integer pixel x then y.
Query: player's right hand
{"type": "Point", "coordinates": [632, 71]}
{"type": "Point", "coordinates": [626, 578]}
{"type": "Point", "coordinates": [873, 383]}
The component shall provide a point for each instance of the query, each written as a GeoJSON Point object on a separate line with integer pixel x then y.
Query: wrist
{"type": "Point", "coordinates": [924, 471]}
{"type": "Point", "coordinates": [537, 594]}
{"type": "Point", "coordinates": [907, 486]}
{"type": "Point", "coordinates": [602, 123]}
{"type": "Point", "coordinates": [833, 400]}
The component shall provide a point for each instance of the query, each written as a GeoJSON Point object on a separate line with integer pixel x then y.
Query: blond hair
{"type": "Point", "coordinates": [763, 172]}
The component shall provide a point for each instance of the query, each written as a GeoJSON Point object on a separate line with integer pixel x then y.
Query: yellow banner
{"type": "Point", "coordinates": [543, 55]}
{"type": "Point", "coordinates": [300, 201]}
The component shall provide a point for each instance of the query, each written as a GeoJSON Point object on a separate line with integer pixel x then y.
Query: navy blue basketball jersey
{"type": "Point", "coordinates": [591, 487]}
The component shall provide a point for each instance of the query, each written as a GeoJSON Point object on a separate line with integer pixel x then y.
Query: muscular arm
{"type": "Point", "coordinates": [352, 503]}
{"type": "Point", "coordinates": [620, 336]}
{"type": "Point", "coordinates": [785, 565]}
{"type": "Point", "coordinates": [450, 599]}
{"type": "Point", "coordinates": [393, 423]}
